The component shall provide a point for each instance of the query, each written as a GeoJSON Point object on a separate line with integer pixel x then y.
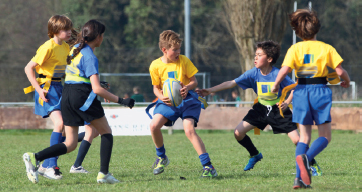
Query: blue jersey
{"type": "Point", "coordinates": [261, 84]}
{"type": "Point", "coordinates": [84, 65]}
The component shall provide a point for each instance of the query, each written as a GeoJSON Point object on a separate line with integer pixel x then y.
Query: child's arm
{"type": "Point", "coordinates": [281, 75]}
{"type": "Point", "coordinates": [158, 92]}
{"type": "Point", "coordinates": [220, 87]}
{"type": "Point", "coordinates": [99, 90]}
{"type": "Point", "coordinates": [343, 73]}
{"type": "Point", "coordinates": [286, 102]}
{"type": "Point", "coordinates": [185, 89]}
{"type": "Point", "coordinates": [30, 73]}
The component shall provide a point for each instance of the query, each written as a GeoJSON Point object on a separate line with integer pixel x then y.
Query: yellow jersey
{"type": "Point", "coordinates": [182, 70]}
{"type": "Point", "coordinates": [311, 58]}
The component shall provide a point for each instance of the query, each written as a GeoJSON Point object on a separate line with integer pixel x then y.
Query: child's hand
{"type": "Point", "coordinates": [166, 100]}
{"type": "Point", "coordinates": [203, 92]}
{"type": "Point", "coordinates": [184, 90]}
{"type": "Point", "coordinates": [42, 93]}
{"type": "Point", "coordinates": [283, 106]}
{"type": "Point", "coordinates": [275, 88]}
{"type": "Point", "coordinates": [345, 84]}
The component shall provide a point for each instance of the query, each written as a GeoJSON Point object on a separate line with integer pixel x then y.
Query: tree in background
{"type": "Point", "coordinates": [253, 21]}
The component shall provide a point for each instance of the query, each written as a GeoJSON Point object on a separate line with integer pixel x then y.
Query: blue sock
{"type": "Point", "coordinates": [63, 139]}
{"type": "Point", "coordinates": [81, 136]}
{"type": "Point", "coordinates": [205, 160]}
{"type": "Point", "coordinates": [82, 152]}
{"type": "Point", "coordinates": [301, 149]}
{"type": "Point", "coordinates": [317, 146]}
{"type": "Point", "coordinates": [54, 139]}
{"type": "Point", "coordinates": [161, 152]}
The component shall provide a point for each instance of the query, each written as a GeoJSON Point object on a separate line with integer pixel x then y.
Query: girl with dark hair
{"type": "Point", "coordinates": [79, 104]}
{"type": "Point", "coordinates": [312, 98]}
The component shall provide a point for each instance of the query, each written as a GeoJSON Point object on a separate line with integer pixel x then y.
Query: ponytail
{"type": "Point", "coordinates": [76, 51]}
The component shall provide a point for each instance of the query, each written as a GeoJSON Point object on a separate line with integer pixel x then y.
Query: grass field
{"type": "Point", "coordinates": [133, 157]}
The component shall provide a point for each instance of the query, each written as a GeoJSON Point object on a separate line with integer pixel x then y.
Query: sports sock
{"type": "Point", "coordinates": [54, 139]}
{"type": "Point", "coordinates": [317, 146]}
{"type": "Point", "coordinates": [205, 160]}
{"type": "Point", "coordinates": [248, 144]}
{"type": "Point", "coordinates": [81, 136]}
{"type": "Point", "coordinates": [106, 152]}
{"type": "Point", "coordinates": [82, 152]}
{"type": "Point", "coordinates": [52, 151]}
{"type": "Point", "coordinates": [161, 152]}
{"type": "Point", "coordinates": [299, 150]}
{"type": "Point", "coordinates": [63, 139]}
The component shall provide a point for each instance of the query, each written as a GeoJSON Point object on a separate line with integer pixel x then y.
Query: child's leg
{"type": "Point", "coordinates": [301, 149]}
{"type": "Point", "coordinates": [294, 136]}
{"type": "Point", "coordinates": [244, 140]}
{"type": "Point", "coordinates": [191, 134]}
{"type": "Point", "coordinates": [90, 133]}
{"type": "Point", "coordinates": [101, 125]}
{"type": "Point", "coordinates": [55, 137]}
{"type": "Point", "coordinates": [325, 136]}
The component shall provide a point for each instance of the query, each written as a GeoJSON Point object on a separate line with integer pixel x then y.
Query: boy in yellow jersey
{"type": "Point", "coordinates": [50, 62]}
{"type": "Point", "coordinates": [312, 97]}
{"type": "Point", "coordinates": [174, 65]}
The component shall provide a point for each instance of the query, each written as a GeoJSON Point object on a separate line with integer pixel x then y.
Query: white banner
{"type": "Point", "coordinates": [125, 121]}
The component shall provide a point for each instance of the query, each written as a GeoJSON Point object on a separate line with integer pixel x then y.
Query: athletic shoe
{"type": "Point", "coordinates": [302, 161]}
{"type": "Point", "coordinates": [159, 165]}
{"type": "Point", "coordinates": [316, 170]}
{"type": "Point", "coordinates": [298, 184]}
{"type": "Point", "coordinates": [102, 178]}
{"type": "Point", "coordinates": [31, 165]}
{"type": "Point", "coordinates": [79, 169]}
{"type": "Point", "coordinates": [252, 161]}
{"type": "Point", "coordinates": [41, 170]}
{"type": "Point", "coordinates": [209, 172]}
{"type": "Point", "coordinates": [53, 173]}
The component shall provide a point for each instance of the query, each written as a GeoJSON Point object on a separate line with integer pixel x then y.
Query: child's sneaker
{"type": "Point", "coordinates": [298, 184]}
{"type": "Point", "coordinates": [31, 165]}
{"type": "Point", "coordinates": [209, 172]}
{"type": "Point", "coordinates": [108, 178]}
{"type": "Point", "coordinates": [53, 173]}
{"type": "Point", "coordinates": [316, 170]}
{"type": "Point", "coordinates": [159, 165]}
{"type": "Point", "coordinates": [79, 169]}
{"type": "Point", "coordinates": [252, 161]}
{"type": "Point", "coordinates": [41, 170]}
{"type": "Point", "coordinates": [303, 164]}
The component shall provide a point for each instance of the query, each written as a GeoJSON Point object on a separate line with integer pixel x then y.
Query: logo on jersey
{"type": "Point", "coordinates": [172, 74]}
{"type": "Point", "coordinates": [308, 70]}
{"type": "Point", "coordinates": [264, 91]}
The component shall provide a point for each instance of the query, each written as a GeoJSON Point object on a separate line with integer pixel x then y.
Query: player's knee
{"type": "Point", "coordinates": [238, 134]}
{"type": "Point", "coordinates": [58, 126]}
{"type": "Point", "coordinates": [71, 146]}
{"type": "Point", "coordinates": [190, 132]}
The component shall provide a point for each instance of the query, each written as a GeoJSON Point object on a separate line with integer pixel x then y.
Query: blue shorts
{"type": "Point", "coordinates": [54, 94]}
{"type": "Point", "coordinates": [189, 108]}
{"type": "Point", "coordinates": [312, 102]}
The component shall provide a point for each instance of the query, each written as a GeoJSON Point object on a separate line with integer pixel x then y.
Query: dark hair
{"type": "Point", "coordinates": [305, 23]}
{"type": "Point", "coordinates": [270, 48]}
{"type": "Point", "coordinates": [90, 31]}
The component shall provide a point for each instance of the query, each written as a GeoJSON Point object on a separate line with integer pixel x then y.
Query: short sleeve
{"type": "Point", "coordinates": [289, 59]}
{"type": "Point", "coordinates": [191, 70]}
{"type": "Point", "coordinates": [91, 67]}
{"type": "Point", "coordinates": [246, 80]}
{"type": "Point", "coordinates": [334, 58]}
{"type": "Point", "coordinates": [156, 79]}
{"type": "Point", "coordinates": [42, 54]}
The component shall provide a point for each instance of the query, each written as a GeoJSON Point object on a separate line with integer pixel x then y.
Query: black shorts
{"type": "Point", "coordinates": [73, 98]}
{"type": "Point", "coordinates": [260, 117]}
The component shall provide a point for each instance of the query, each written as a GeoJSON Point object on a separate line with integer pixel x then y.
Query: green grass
{"type": "Point", "coordinates": [133, 157]}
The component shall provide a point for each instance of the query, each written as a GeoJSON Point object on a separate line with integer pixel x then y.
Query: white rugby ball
{"type": "Point", "coordinates": [171, 89]}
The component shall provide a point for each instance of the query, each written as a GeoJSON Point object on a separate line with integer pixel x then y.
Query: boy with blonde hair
{"type": "Point", "coordinates": [174, 65]}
